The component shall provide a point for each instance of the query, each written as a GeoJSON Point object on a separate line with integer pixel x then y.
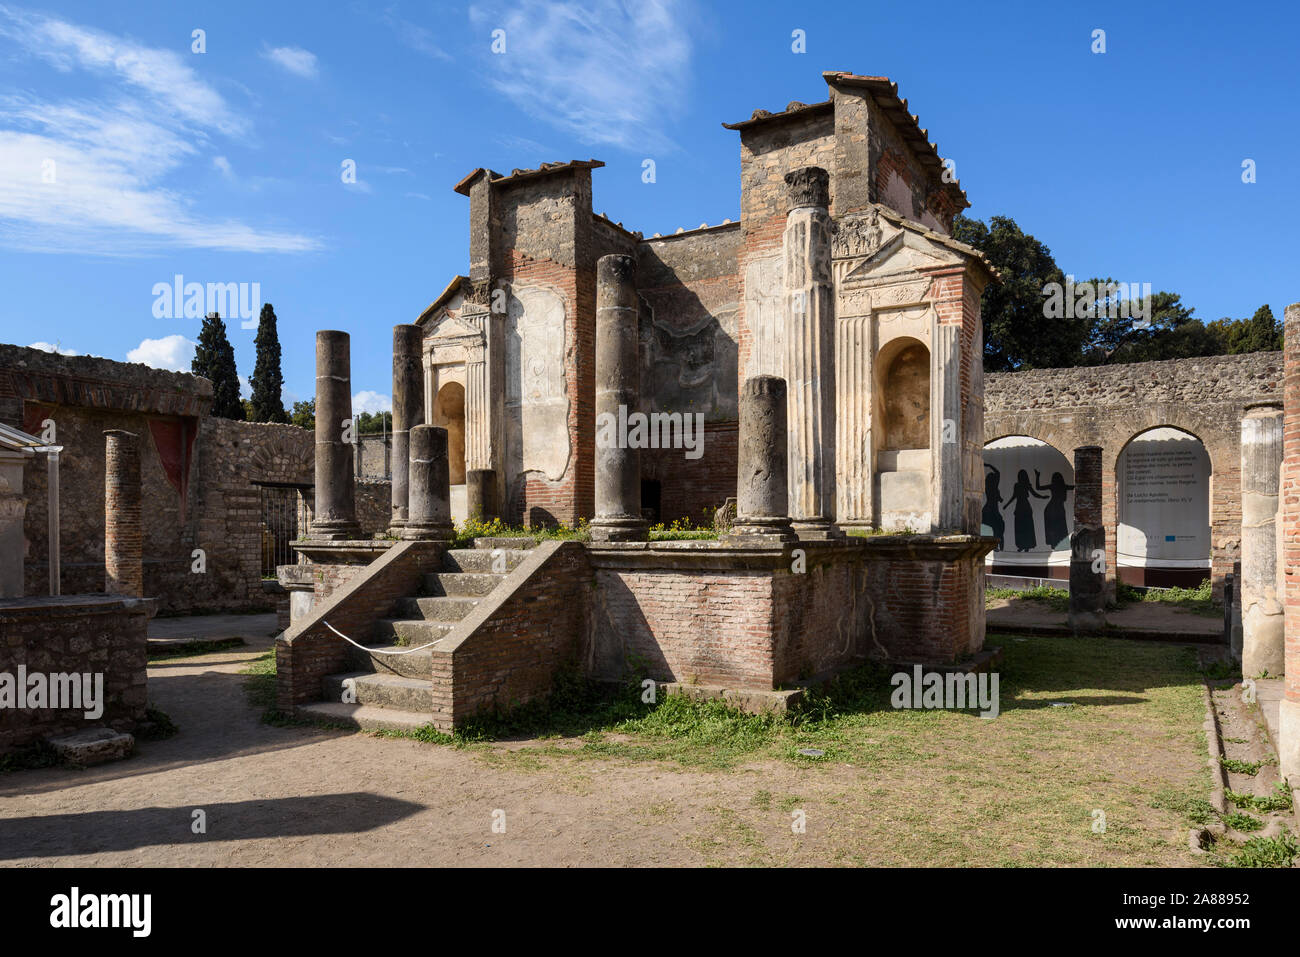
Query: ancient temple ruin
{"type": "Point", "coordinates": [822, 357]}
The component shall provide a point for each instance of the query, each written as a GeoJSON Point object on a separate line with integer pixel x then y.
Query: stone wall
{"type": "Point", "coordinates": [75, 634]}
{"type": "Point", "coordinates": [201, 477]}
{"type": "Point", "coordinates": [1109, 405]}
{"type": "Point", "coordinates": [374, 506]}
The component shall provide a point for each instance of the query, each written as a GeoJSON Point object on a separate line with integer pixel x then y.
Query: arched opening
{"type": "Point", "coordinates": [1163, 500]}
{"type": "Point", "coordinates": [1028, 507]}
{"type": "Point", "coordinates": [905, 386]}
{"type": "Point", "coordinates": [449, 414]}
{"type": "Point", "coordinates": [902, 440]}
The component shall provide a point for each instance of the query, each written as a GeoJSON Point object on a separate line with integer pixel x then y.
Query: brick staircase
{"type": "Point", "coordinates": [395, 691]}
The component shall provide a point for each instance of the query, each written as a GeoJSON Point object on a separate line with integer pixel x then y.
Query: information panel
{"type": "Point", "coordinates": [1164, 501]}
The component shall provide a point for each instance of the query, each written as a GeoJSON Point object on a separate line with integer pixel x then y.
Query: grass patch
{"type": "Point", "coordinates": [160, 725]}
{"type": "Point", "coordinates": [1279, 800]}
{"type": "Point", "coordinates": [474, 527]}
{"type": "Point", "coordinates": [1277, 851]}
{"type": "Point", "coordinates": [1197, 810]}
{"type": "Point", "coordinates": [1239, 821]}
{"type": "Point", "coordinates": [1057, 599]}
{"type": "Point", "coordinates": [1241, 767]}
{"type": "Point", "coordinates": [29, 758]}
{"type": "Point", "coordinates": [1198, 600]}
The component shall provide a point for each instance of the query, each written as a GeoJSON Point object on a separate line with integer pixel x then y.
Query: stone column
{"type": "Point", "coordinates": [1262, 619]}
{"type": "Point", "coordinates": [618, 376]}
{"type": "Point", "coordinates": [408, 411]}
{"type": "Point", "coordinates": [481, 493]}
{"type": "Point", "coordinates": [762, 492]}
{"type": "Point", "coordinates": [336, 489]}
{"type": "Point", "coordinates": [809, 353]}
{"type": "Point", "coordinates": [1087, 545]}
{"type": "Point", "coordinates": [123, 532]}
{"type": "Point", "coordinates": [1288, 750]}
{"type": "Point", "coordinates": [430, 497]}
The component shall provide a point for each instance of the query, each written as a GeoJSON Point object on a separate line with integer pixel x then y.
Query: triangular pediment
{"type": "Point", "coordinates": [904, 252]}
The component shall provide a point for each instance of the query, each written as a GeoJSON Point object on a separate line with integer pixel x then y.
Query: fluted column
{"type": "Point", "coordinates": [618, 376]}
{"type": "Point", "coordinates": [408, 412]}
{"type": "Point", "coordinates": [336, 490]}
{"type": "Point", "coordinates": [809, 356]}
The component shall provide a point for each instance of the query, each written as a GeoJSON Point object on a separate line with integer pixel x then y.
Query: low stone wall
{"type": "Point", "coordinates": [83, 634]}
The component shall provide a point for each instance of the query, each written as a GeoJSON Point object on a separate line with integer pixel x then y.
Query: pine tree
{"type": "Point", "coordinates": [214, 359]}
{"type": "Point", "coordinates": [267, 377]}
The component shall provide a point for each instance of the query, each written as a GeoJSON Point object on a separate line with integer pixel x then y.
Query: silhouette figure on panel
{"type": "Point", "coordinates": [1054, 528]}
{"type": "Point", "coordinates": [1026, 537]}
{"type": "Point", "coordinates": [992, 499]}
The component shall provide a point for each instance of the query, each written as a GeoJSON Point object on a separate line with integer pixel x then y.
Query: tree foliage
{"type": "Point", "coordinates": [268, 380]}
{"type": "Point", "coordinates": [304, 414]}
{"type": "Point", "coordinates": [214, 359]}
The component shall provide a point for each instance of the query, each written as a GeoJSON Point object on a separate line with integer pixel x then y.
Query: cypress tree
{"type": "Point", "coordinates": [214, 359]}
{"type": "Point", "coordinates": [268, 380]}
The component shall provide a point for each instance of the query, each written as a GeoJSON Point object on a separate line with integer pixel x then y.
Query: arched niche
{"type": "Point", "coordinates": [449, 414]}
{"type": "Point", "coordinates": [1162, 538]}
{"type": "Point", "coordinates": [903, 476]}
{"type": "Point", "coordinates": [1028, 506]}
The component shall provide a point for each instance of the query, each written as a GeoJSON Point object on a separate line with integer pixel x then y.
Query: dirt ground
{"type": "Point", "coordinates": [307, 796]}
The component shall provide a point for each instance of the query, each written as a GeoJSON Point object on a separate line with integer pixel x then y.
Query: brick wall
{"type": "Point", "coordinates": [512, 651]}
{"type": "Point", "coordinates": [83, 634]}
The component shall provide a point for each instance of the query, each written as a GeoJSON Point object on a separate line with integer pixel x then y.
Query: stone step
{"type": "Point", "coordinates": [392, 692]}
{"type": "Point", "coordinates": [439, 608]}
{"type": "Point", "coordinates": [411, 664]}
{"type": "Point", "coordinates": [481, 559]}
{"type": "Point", "coordinates": [460, 584]}
{"type": "Point", "coordinates": [499, 542]}
{"type": "Point", "coordinates": [409, 631]}
{"type": "Point", "coordinates": [363, 716]}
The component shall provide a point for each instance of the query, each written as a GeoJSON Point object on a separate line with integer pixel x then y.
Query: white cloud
{"type": "Point", "coordinates": [245, 387]}
{"type": "Point", "coordinates": [174, 353]}
{"type": "Point", "coordinates": [86, 175]}
{"type": "Point", "coordinates": [423, 196]}
{"type": "Point", "coordinates": [52, 347]}
{"type": "Point", "coordinates": [296, 60]}
{"type": "Point", "coordinates": [223, 164]}
{"type": "Point", "coordinates": [372, 402]}
{"type": "Point", "coordinates": [418, 38]}
{"type": "Point", "coordinates": [606, 71]}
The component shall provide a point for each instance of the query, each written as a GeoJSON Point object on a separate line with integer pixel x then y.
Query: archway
{"type": "Point", "coordinates": [1028, 507]}
{"type": "Point", "coordinates": [1163, 537]}
{"type": "Point", "coordinates": [449, 414]}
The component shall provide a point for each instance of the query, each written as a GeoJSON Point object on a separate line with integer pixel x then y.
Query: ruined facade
{"type": "Point", "coordinates": [885, 365]}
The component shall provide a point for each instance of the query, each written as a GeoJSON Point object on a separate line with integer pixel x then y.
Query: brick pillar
{"type": "Point", "coordinates": [1289, 719]}
{"type": "Point", "coordinates": [430, 497]}
{"type": "Point", "coordinates": [618, 380]}
{"type": "Point", "coordinates": [809, 353]}
{"type": "Point", "coordinates": [762, 492]}
{"type": "Point", "coordinates": [408, 411]}
{"type": "Point", "coordinates": [1087, 545]}
{"type": "Point", "coordinates": [336, 489]}
{"type": "Point", "coordinates": [1256, 592]}
{"type": "Point", "coordinates": [123, 531]}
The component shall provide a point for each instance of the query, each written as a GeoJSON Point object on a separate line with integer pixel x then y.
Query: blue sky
{"type": "Point", "coordinates": [226, 165]}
